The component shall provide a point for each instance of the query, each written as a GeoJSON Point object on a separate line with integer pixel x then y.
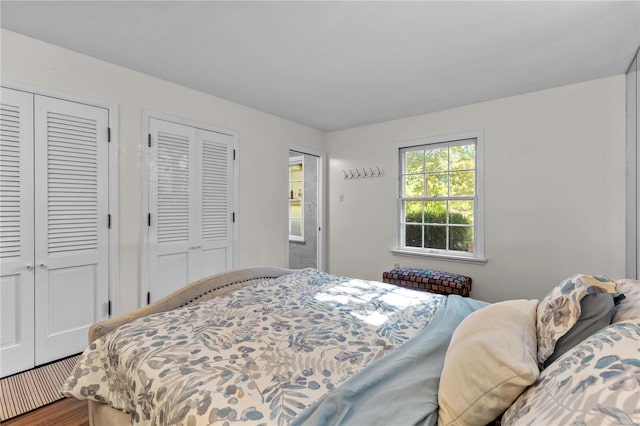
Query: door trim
{"type": "Point", "coordinates": [114, 197]}
{"type": "Point", "coordinates": [147, 115]}
{"type": "Point", "coordinates": [322, 198]}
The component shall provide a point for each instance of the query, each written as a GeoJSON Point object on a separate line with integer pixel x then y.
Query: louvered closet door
{"type": "Point", "coordinates": [71, 235]}
{"type": "Point", "coordinates": [172, 202]}
{"type": "Point", "coordinates": [16, 231]}
{"type": "Point", "coordinates": [216, 176]}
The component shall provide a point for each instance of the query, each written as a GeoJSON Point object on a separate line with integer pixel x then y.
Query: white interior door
{"type": "Point", "coordinates": [71, 225]}
{"type": "Point", "coordinates": [16, 232]}
{"type": "Point", "coordinates": [190, 199]}
{"type": "Point", "coordinates": [216, 190]}
{"type": "Point", "coordinates": [172, 207]}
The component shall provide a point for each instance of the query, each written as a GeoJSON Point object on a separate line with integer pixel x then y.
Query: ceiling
{"type": "Point", "coordinates": [335, 65]}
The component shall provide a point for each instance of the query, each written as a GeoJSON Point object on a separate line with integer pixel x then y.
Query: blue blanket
{"type": "Point", "coordinates": [402, 387]}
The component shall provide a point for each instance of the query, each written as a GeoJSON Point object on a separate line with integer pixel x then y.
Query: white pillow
{"type": "Point", "coordinates": [490, 361]}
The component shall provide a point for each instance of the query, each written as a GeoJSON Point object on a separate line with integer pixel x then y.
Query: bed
{"type": "Point", "coordinates": [276, 346]}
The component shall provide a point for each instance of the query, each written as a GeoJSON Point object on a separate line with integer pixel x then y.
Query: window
{"type": "Point", "coordinates": [440, 197]}
{"type": "Point", "coordinates": [296, 198]}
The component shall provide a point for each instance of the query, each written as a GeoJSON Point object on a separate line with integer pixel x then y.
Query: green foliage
{"type": "Point", "coordinates": [444, 171]}
{"type": "Point", "coordinates": [437, 160]}
{"type": "Point", "coordinates": [462, 157]}
{"type": "Point", "coordinates": [440, 172]}
{"type": "Point", "coordinates": [435, 236]}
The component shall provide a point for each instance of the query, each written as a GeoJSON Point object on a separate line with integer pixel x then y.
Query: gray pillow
{"type": "Point", "coordinates": [596, 312]}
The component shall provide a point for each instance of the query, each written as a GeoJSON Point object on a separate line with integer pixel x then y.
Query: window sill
{"type": "Point", "coordinates": [296, 240]}
{"type": "Point", "coordinates": [438, 256]}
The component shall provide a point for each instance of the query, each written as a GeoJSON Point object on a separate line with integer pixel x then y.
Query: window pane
{"type": "Point", "coordinates": [296, 171]}
{"type": "Point", "coordinates": [414, 186]}
{"type": "Point", "coordinates": [295, 210]}
{"type": "Point", "coordinates": [461, 212]}
{"type": "Point", "coordinates": [463, 183]}
{"type": "Point", "coordinates": [413, 211]}
{"type": "Point", "coordinates": [414, 162]}
{"type": "Point", "coordinates": [462, 157]}
{"type": "Point", "coordinates": [437, 159]}
{"type": "Point", "coordinates": [413, 235]}
{"type": "Point", "coordinates": [461, 238]}
{"type": "Point", "coordinates": [437, 185]}
{"type": "Point", "coordinates": [294, 227]}
{"type": "Point", "coordinates": [435, 237]}
{"type": "Point", "coordinates": [295, 190]}
{"type": "Point", "coordinates": [435, 212]}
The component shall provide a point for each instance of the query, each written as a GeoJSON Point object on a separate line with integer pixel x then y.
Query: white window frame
{"type": "Point", "coordinates": [298, 159]}
{"type": "Point", "coordinates": [478, 254]}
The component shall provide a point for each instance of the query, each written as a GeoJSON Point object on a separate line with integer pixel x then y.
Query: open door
{"type": "Point", "coordinates": [305, 208]}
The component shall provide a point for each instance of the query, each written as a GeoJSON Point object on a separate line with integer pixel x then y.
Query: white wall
{"type": "Point", "coordinates": [554, 174]}
{"type": "Point", "coordinates": [262, 157]}
{"type": "Point", "coordinates": [554, 184]}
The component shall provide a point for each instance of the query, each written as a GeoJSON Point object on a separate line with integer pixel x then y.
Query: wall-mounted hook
{"type": "Point", "coordinates": [356, 174]}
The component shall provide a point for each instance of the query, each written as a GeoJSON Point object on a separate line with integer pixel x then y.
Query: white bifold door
{"type": "Point", "coordinates": [17, 274]}
{"type": "Point", "coordinates": [190, 205]}
{"type": "Point", "coordinates": [53, 227]}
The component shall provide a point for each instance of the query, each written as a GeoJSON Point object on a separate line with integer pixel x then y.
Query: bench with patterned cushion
{"type": "Point", "coordinates": [429, 280]}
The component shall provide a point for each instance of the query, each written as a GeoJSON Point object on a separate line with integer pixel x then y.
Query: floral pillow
{"type": "Point", "coordinates": [594, 383]}
{"type": "Point", "coordinates": [629, 307]}
{"type": "Point", "coordinates": [559, 311]}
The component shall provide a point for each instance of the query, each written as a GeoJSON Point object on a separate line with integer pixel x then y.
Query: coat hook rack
{"type": "Point", "coordinates": [363, 173]}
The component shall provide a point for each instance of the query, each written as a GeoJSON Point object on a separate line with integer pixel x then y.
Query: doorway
{"type": "Point", "coordinates": [305, 208]}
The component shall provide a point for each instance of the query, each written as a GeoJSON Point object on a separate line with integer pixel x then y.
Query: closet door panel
{"type": "Point", "coordinates": [172, 272]}
{"type": "Point", "coordinates": [172, 203]}
{"type": "Point", "coordinates": [212, 261]}
{"type": "Point", "coordinates": [215, 197]}
{"type": "Point", "coordinates": [16, 232]}
{"type": "Point", "coordinates": [71, 240]}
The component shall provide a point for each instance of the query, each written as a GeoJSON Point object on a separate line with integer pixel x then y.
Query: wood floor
{"type": "Point", "coordinates": [66, 412]}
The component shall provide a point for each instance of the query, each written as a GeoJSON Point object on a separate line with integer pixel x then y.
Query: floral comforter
{"type": "Point", "coordinates": [258, 355]}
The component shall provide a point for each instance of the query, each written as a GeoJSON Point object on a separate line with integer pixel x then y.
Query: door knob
{"type": "Point", "coordinates": [29, 267]}
{"type": "Point", "coordinates": [42, 265]}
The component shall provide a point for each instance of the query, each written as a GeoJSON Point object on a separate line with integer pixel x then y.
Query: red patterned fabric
{"type": "Point", "coordinates": [429, 280]}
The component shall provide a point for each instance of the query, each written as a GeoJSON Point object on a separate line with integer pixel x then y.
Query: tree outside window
{"type": "Point", "coordinates": [438, 197]}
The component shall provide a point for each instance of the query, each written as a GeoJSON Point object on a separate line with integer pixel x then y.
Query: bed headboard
{"type": "Point", "coordinates": [203, 289]}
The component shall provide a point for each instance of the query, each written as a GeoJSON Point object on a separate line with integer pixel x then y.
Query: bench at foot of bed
{"type": "Point", "coordinates": [429, 280]}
